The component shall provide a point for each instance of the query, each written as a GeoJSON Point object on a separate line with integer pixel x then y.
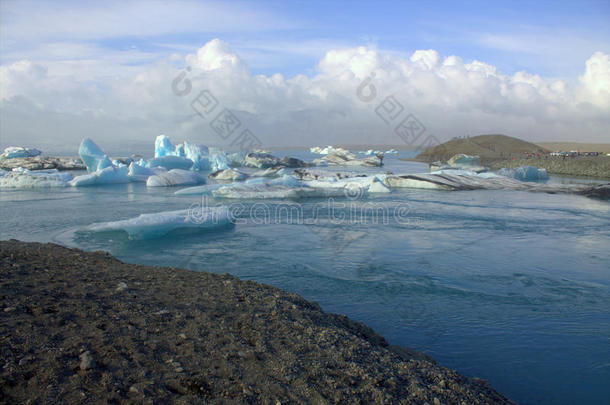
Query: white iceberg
{"type": "Point", "coordinates": [448, 180]}
{"type": "Point", "coordinates": [24, 178]}
{"type": "Point", "coordinates": [170, 162]}
{"type": "Point", "coordinates": [108, 175]}
{"type": "Point", "coordinates": [228, 174]}
{"type": "Point", "coordinates": [93, 157]}
{"type": "Point", "coordinates": [218, 160]}
{"type": "Point", "coordinates": [13, 152]}
{"type": "Point", "coordinates": [199, 190]}
{"type": "Point", "coordinates": [290, 187]}
{"type": "Point", "coordinates": [174, 177]}
{"type": "Point", "coordinates": [148, 226]}
{"type": "Point", "coordinates": [139, 173]}
{"type": "Point", "coordinates": [201, 157]}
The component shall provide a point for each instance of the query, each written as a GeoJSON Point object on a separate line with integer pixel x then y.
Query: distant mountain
{"type": "Point", "coordinates": [489, 148]}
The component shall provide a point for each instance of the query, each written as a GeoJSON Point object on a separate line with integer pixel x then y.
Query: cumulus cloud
{"type": "Point", "coordinates": [451, 97]}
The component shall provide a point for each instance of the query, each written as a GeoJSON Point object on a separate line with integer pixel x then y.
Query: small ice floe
{"type": "Point", "coordinates": [24, 178]}
{"type": "Point", "coordinates": [290, 187]}
{"type": "Point", "coordinates": [467, 180]}
{"type": "Point", "coordinates": [344, 157]}
{"type": "Point", "coordinates": [154, 225]}
{"type": "Point", "coordinates": [13, 152]}
{"type": "Point", "coordinates": [175, 177]}
{"type": "Point", "coordinates": [228, 175]}
{"type": "Point", "coordinates": [139, 173]}
{"type": "Point", "coordinates": [108, 175]}
{"type": "Point", "coordinates": [460, 162]}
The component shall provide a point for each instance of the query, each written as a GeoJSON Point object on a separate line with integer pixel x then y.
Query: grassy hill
{"type": "Point", "coordinates": [489, 148]}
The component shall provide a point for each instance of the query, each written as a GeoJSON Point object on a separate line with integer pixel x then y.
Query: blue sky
{"type": "Point", "coordinates": [552, 38]}
{"type": "Point", "coordinates": [537, 70]}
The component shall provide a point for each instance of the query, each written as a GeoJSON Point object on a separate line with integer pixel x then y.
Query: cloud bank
{"type": "Point", "coordinates": [54, 108]}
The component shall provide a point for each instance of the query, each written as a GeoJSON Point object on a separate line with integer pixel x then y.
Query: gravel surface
{"type": "Point", "coordinates": [78, 327]}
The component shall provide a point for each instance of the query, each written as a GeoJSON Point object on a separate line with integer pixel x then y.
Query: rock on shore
{"type": "Point", "coordinates": [79, 327]}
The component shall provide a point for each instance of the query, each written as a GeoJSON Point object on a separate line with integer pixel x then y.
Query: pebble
{"type": "Point", "coordinates": [121, 286]}
{"type": "Point", "coordinates": [86, 361]}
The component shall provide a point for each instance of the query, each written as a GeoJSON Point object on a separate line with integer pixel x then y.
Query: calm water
{"type": "Point", "coordinates": [513, 287]}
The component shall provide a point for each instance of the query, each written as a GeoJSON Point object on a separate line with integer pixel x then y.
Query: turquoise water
{"type": "Point", "coordinates": [513, 287]}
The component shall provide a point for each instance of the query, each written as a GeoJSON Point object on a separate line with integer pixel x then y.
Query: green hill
{"type": "Point", "coordinates": [489, 148]}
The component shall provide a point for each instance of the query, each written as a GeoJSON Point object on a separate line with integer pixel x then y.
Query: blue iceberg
{"type": "Point", "coordinates": [525, 173]}
{"type": "Point", "coordinates": [93, 157]}
{"type": "Point", "coordinates": [148, 226]}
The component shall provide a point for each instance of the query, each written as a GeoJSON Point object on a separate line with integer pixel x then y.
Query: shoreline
{"type": "Point", "coordinates": [82, 326]}
{"type": "Point", "coordinates": [597, 168]}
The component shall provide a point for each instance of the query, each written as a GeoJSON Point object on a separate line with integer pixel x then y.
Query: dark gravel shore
{"type": "Point", "coordinates": [79, 327]}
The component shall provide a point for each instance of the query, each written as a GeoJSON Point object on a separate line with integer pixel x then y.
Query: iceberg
{"type": "Point", "coordinates": [199, 190]}
{"type": "Point", "coordinates": [344, 157]}
{"type": "Point", "coordinates": [228, 174]}
{"type": "Point", "coordinates": [93, 157]}
{"type": "Point", "coordinates": [290, 187]}
{"type": "Point", "coordinates": [24, 178]}
{"type": "Point", "coordinates": [525, 173]}
{"type": "Point", "coordinates": [108, 175]}
{"type": "Point", "coordinates": [237, 159]}
{"type": "Point", "coordinates": [170, 162]}
{"type": "Point", "coordinates": [148, 226]}
{"type": "Point", "coordinates": [318, 150]}
{"type": "Point", "coordinates": [174, 177]}
{"type": "Point", "coordinates": [164, 147]}
{"type": "Point", "coordinates": [200, 156]}
{"type": "Point", "coordinates": [13, 152]}
{"type": "Point", "coordinates": [139, 173]}
{"type": "Point", "coordinates": [261, 160]}
{"type": "Point", "coordinates": [218, 160]}
{"type": "Point", "coordinates": [460, 162]}
{"type": "Point", "coordinates": [480, 181]}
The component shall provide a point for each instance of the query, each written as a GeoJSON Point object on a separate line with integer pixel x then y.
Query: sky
{"type": "Point", "coordinates": [300, 73]}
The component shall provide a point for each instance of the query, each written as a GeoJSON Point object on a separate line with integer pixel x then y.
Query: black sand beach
{"type": "Point", "coordinates": [79, 327]}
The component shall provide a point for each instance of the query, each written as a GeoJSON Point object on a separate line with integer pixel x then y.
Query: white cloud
{"type": "Point", "coordinates": [449, 96]}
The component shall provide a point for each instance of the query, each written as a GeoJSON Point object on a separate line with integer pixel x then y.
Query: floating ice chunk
{"type": "Point", "coordinates": [140, 173]}
{"type": "Point", "coordinates": [24, 178]}
{"type": "Point", "coordinates": [47, 173]}
{"type": "Point", "coordinates": [270, 172]}
{"type": "Point", "coordinates": [164, 147]}
{"type": "Point", "coordinates": [267, 191]}
{"type": "Point", "coordinates": [199, 190]}
{"type": "Point", "coordinates": [461, 159]}
{"type": "Point", "coordinates": [19, 152]}
{"type": "Point", "coordinates": [237, 159]}
{"type": "Point", "coordinates": [93, 157]}
{"type": "Point", "coordinates": [108, 175]}
{"type": "Point", "coordinates": [170, 162]}
{"type": "Point", "coordinates": [199, 154]}
{"type": "Point", "coordinates": [391, 152]}
{"type": "Point", "coordinates": [455, 172]}
{"type": "Point", "coordinates": [218, 160]}
{"type": "Point", "coordinates": [148, 226]}
{"type": "Point", "coordinates": [261, 160]}
{"type": "Point", "coordinates": [318, 150]}
{"type": "Point", "coordinates": [525, 173]}
{"type": "Point", "coordinates": [378, 187]}
{"type": "Point", "coordinates": [228, 174]}
{"type": "Point", "coordinates": [175, 177]}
